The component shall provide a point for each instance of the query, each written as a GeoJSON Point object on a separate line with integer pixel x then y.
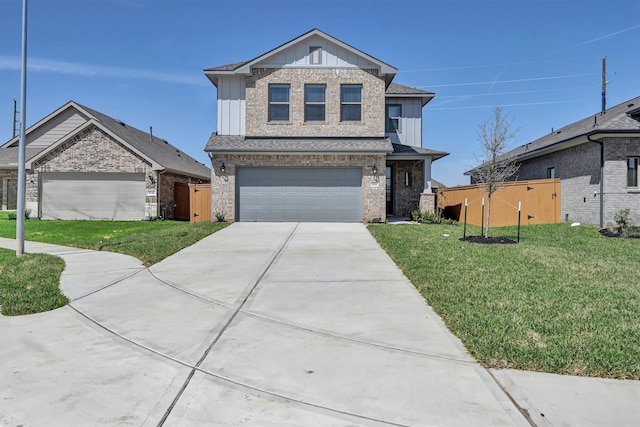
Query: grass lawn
{"type": "Point", "coordinates": [149, 241]}
{"type": "Point", "coordinates": [564, 300]}
{"type": "Point", "coordinates": [30, 283]}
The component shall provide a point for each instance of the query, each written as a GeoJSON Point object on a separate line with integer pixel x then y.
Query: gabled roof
{"type": "Point", "coordinates": [399, 91]}
{"type": "Point", "coordinates": [161, 154]}
{"type": "Point", "coordinates": [245, 67]}
{"type": "Point", "coordinates": [617, 120]}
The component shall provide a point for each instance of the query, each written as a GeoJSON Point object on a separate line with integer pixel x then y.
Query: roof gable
{"type": "Point", "coordinates": [296, 53]}
{"type": "Point", "coordinates": [156, 151]}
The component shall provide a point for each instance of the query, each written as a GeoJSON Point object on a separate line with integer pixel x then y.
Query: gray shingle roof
{"type": "Point", "coordinates": [228, 67]}
{"type": "Point", "coordinates": [437, 184]}
{"type": "Point", "coordinates": [9, 156]}
{"type": "Point", "coordinates": [240, 144]}
{"type": "Point", "coordinates": [408, 150]}
{"type": "Point", "coordinates": [159, 150]}
{"type": "Point", "coordinates": [615, 119]}
{"type": "Point", "coordinates": [400, 91]}
{"type": "Point", "coordinates": [395, 88]}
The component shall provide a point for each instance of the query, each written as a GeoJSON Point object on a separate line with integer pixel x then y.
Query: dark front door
{"type": "Point", "coordinates": [389, 176]}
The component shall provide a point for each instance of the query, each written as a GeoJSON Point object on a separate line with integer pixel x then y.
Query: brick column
{"type": "Point", "coordinates": [427, 202]}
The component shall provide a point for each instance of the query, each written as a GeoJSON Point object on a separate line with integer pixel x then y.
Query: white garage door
{"type": "Point", "coordinates": [299, 194]}
{"type": "Point", "coordinates": [75, 195]}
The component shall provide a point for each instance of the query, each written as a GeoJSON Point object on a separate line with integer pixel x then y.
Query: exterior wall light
{"type": "Point", "coordinates": [374, 168]}
{"type": "Point", "coordinates": [222, 168]}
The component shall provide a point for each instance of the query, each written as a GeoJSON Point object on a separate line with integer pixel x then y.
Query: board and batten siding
{"type": "Point", "coordinates": [332, 56]}
{"type": "Point", "coordinates": [231, 116]}
{"type": "Point", "coordinates": [56, 128]}
{"type": "Point", "coordinates": [411, 122]}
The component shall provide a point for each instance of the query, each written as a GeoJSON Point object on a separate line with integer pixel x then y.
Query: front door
{"type": "Point", "coordinates": [389, 186]}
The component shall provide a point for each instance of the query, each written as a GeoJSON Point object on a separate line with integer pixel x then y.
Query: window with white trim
{"type": "Point", "coordinates": [632, 171]}
{"type": "Point", "coordinates": [351, 103]}
{"type": "Point", "coordinates": [394, 121]}
{"type": "Point", "coordinates": [314, 103]}
{"type": "Point", "coordinates": [279, 102]}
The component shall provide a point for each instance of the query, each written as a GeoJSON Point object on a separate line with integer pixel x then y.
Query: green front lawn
{"type": "Point", "coordinates": [30, 283]}
{"type": "Point", "coordinates": [149, 241]}
{"type": "Point", "coordinates": [565, 300]}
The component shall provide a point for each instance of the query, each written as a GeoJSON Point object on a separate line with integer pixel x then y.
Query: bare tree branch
{"type": "Point", "coordinates": [495, 136]}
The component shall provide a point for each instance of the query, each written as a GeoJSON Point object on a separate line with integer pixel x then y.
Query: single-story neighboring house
{"type": "Point", "coordinates": [82, 164]}
{"type": "Point", "coordinates": [597, 161]}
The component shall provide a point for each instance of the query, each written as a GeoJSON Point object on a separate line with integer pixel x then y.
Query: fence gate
{"type": "Point", "coordinates": [193, 202]}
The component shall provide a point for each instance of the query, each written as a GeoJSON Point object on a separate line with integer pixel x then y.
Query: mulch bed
{"type": "Point", "coordinates": [609, 233]}
{"type": "Point", "coordinates": [488, 240]}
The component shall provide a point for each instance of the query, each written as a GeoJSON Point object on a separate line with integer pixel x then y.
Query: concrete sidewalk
{"type": "Point", "coordinates": [266, 325]}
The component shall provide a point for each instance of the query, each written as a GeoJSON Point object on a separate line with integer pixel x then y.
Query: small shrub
{"type": "Point", "coordinates": [27, 213]}
{"type": "Point", "coordinates": [12, 216]}
{"type": "Point", "coordinates": [623, 221]}
{"type": "Point", "coordinates": [430, 218]}
{"type": "Point", "coordinates": [221, 217]}
{"type": "Point", "coordinates": [377, 221]}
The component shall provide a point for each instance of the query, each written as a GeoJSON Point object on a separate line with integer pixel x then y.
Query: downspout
{"type": "Point", "coordinates": [159, 212]}
{"type": "Point", "coordinates": [601, 179]}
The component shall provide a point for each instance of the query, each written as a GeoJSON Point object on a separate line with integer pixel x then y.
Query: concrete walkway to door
{"type": "Point", "coordinates": [259, 324]}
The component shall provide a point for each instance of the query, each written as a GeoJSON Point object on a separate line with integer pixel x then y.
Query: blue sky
{"type": "Point", "coordinates": [141, 61]}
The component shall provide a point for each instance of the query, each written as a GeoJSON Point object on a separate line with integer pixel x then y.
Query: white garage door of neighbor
{"type": "Point", "coordinates": [299, 194]}
{"type": "Point", "coordinates": [80, 195]}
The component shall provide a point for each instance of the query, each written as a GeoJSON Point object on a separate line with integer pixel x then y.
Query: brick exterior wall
{"type": "Point", "coordinates": [407, 199]}
{"type": "Point", "coordinates": [223, 185]}
{"type": "Point", "coordinates": [257, 102]}
{"type": "Point", "coordinates": [579, 170]}
{"type": "Point", "coordinates": [166, 194]}
{"type": "Point", "coordinates": [90, 151]}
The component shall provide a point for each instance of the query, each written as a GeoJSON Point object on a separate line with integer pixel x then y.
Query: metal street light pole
{"type": "Point", "coordinates": [22, 179]}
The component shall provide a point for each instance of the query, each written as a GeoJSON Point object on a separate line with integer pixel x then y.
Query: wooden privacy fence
{"type": "Point", "coordinates": [193, 202]}
{"type": "Point", "coordinates": [540, 203]}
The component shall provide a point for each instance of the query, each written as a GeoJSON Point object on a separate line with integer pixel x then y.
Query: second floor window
{"type": "Point", "coordinates": [314, 103]}
{"type": "Point", "coordinates": [279, 102]}
{"type": "Point", "coordinates": [632, 171]}
{"type": "Point", "coordinates": [351, 103]}
{"type": "Point", "coordinates": [394, 112]}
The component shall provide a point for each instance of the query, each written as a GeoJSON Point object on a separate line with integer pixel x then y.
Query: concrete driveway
{"type": "Point", "coordinates": [259, 324]}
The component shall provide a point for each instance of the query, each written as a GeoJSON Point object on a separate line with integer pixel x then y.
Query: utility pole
{"type": "Point", "coordinates": [604, 85]}
{"type": "Point", "coordinates": [22, 177]}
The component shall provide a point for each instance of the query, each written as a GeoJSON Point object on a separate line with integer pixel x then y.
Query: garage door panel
{"type": "Point", "coordinates": [299, 194]}
{"type": "Point", "coordinates": [76, 195]}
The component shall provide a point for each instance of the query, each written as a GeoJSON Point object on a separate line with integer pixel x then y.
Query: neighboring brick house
{"type": "Point", "coordinates": [315, 130]}
{"type": "Point", "coordinates": [597, 160]}
{"type": "Point", "coordinates": [82, 164]}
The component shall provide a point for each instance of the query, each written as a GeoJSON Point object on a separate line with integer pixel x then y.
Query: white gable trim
{"type": "Point", "coordinates": [385, 68]}
{"type": "Point", "coordinates": [92, 121]}
{"type": "Point", "coordinates": [43, 121]}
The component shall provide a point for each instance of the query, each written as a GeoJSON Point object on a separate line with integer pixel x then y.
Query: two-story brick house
{"type": "Point", "coordinates": [315, 130]}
